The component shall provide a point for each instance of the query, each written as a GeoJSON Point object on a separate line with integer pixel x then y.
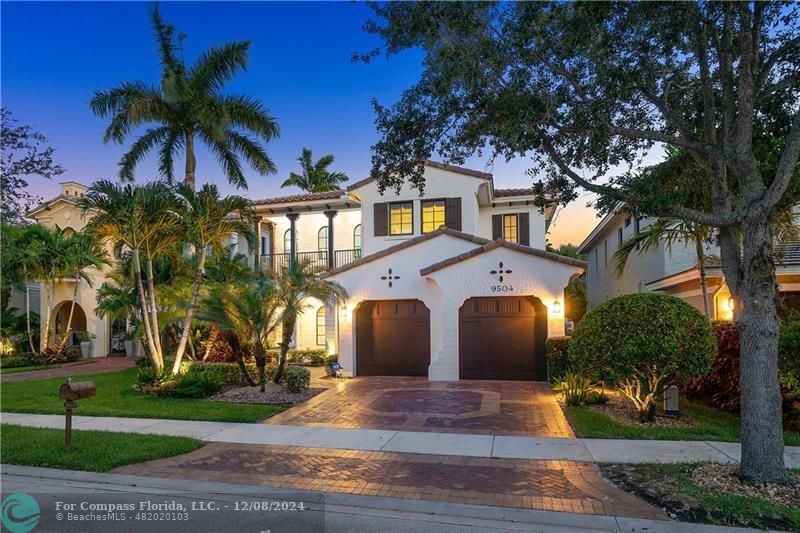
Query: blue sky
{"type": "Point", "coordinates": [55, 55]}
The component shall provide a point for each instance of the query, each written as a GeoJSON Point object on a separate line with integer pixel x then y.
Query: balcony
{"type": "Point", "coordinates": [317, 261]}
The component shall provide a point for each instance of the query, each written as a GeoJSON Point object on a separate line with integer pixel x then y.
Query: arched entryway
{"type": "Point", "coordinates": [393, 338]}
{"type": "Point", "coordinates": [502, 338]}
{"type": "Point", "coordinates": [61, 319]}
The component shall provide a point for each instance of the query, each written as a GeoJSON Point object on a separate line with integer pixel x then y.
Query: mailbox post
{"type": "Point", "coordinates": [71, 392]}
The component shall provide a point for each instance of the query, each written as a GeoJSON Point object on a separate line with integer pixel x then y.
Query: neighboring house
{"type": "Point", "coordinates": [672, 271]}
{"type": "Point", "coordinates": [451, 284]}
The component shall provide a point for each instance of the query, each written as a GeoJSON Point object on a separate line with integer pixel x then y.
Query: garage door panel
{"type": "Point", "coordinates": [502, 338]}
{"type": "Point", "coordinates": [393, 338]}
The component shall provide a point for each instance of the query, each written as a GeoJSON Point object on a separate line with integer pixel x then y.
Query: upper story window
{"type": "Point", "coordinates": [401, 218]}
{"type": "Point", "coordinates": [619, 237]}
{"type": "Point", "coordinates": [627, 222]}
{"type": "Point", "coordinates": [433, 215]}
{"type": "Point", "coordinates": [357, 237]}
{"type": "Point", "coordinates": [510, 228]}
{"type": "Point", "coordinates": [287, 242]}
{"type": "Point", "coordinates": [322, 239]}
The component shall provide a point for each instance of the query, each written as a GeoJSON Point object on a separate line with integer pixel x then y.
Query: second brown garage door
{"type": "Point", "coordinates": [393, 338]}
{"type": "Point", "coordinates": [502, 338]}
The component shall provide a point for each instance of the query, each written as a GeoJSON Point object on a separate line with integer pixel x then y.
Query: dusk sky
{"type": "Point", "coordinates": [55, 55]}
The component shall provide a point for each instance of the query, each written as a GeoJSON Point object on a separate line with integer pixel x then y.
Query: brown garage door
{"type": "Point", "coordinates": [393, 338]}
{"type": "Point", "coordinates": [502, 338]}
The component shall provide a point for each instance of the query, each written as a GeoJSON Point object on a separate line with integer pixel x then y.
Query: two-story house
{"type": "Point", "coordinates": [672, 270]}
{"type": "Point", "coordinates": [455, 283]}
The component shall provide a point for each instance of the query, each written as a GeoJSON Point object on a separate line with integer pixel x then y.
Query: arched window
{"type": "Point", "coordinates": [321, 326]}
{"type": "Point", "coordinates": [287, 241]}
{"type": "Point", "coordinates": [357, 238]}
{"type": "Point", "coordinates": [322, 239]}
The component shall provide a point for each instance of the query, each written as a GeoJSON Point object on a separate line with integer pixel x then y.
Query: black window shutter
{"type": "Point", "coordinates": [497, 226]}
{"type": "Point", "coordinates": [380, 219]}
{"type": "Point", "coordinates": [524, 229]}
{"type": "Point", "coordinates": [452, 213]}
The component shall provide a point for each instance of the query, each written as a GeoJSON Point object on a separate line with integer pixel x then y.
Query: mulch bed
{"type": "Point", "coordinates": [621, 410]}
{"type": "Point", "coordinates": [718, 478]}
{"type": "Point", "coordinates": [275, 394]}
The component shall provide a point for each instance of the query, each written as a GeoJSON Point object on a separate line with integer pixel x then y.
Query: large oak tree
{"type": "Point", "coordinates": [581, 88]}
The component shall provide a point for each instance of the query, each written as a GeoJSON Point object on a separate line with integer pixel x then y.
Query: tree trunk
{"type": "Point", "coordinates": [187, 323]}
{"type": "Point", "coordinates": [761, 417]}
{"type": "Point", "coordinates": [261, 363]}
{"type": "Point", "coordinates": [701, 265]}
{"type": "Point", "coordinates": [236, 346]}
{"type": "Point", "coordinates": [50, 296]}
{"type": "Point", "coordinates": [191, 162]}
{"type": "Point", "coordinates": [286, 340]}
{"type": "Point", "coordinates": [28, 316]}
{"type": "Point", "coordinates": [71, 313]}
{"type": "Point", "coordinates": [151, 288]}
{"type": "Point", "coordinates": [158, 362]}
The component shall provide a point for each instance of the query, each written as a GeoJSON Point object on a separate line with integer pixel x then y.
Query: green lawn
{"type": "Point", "coordinates": [25, 369]}
{"type": "Point", "coordinates": [673, 482]}
{"type": "Point", "coordinates": [709, 424]}
{"type": "Point", "coordinates": [97, 451]}
{"type": "Point", "coordinates": [116, 397]}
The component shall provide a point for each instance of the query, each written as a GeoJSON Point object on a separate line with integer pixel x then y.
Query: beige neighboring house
{"type": "Point", "coordinates": [673, 272]}
{"type": "Point", "coordinates": [452, 284]}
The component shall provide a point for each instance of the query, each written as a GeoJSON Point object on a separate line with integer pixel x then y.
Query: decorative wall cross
{"type": "Point", "coordinates": [390, 277]}
{"type": "Point", "coordinates": [501, 271]}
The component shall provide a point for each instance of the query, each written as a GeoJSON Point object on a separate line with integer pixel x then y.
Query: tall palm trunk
{"type": "Point", "coordinates": [28, 314]}
{"type": "Point", "coordinates": [701, 265]}
{"type": "Point", "coordinates": [153, 307]}
{"type": "Point", "coordinates": [187, 323]}
{"type": "Point", "coordinates": [236, 346]}
{"type": "Point", "coordinates": [151, 345]}
{"type": "Point", "coordinates": [286, 340]}
{"type": "Point", "coordinates": [50, 298]}
{"type": "Point", "coordinates": [261, 364]}
{"type": "Point", "coordinates": [191, 162]}
{"type": "Point", "coordinates": [71, 312]}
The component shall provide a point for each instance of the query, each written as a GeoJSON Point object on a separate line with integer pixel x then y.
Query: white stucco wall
{"type": "Point", "coordinates": [438, 184]}
{"type": "Point", "coordinates": [537, 221]}
{"type": "Point", "coordinates": [443, 292]}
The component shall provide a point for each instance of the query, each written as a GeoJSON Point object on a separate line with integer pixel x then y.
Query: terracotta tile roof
{"type": "Point", "coordinates": [504, 193]}
{"type": "Point", "coordinates": [302, 197]}
{"type": "Point", "coordinates": [433, 164]}
{"type": "Point", "coordinates": [500, 243]}
{"type": "Point", "coordinates": [443, 230]}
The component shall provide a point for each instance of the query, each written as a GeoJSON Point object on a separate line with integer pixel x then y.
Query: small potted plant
{"type": "Point", "coordinates": [130, 343]}
{"type": "Point", "coordinates": [85, 338]}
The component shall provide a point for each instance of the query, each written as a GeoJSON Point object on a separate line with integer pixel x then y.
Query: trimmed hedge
{"type": "Point", "coordinates": [557, 349]}
{"type": "Point", "coordinates": [297, 378]}
{"type": "Point", "coordinates": [631, 334]}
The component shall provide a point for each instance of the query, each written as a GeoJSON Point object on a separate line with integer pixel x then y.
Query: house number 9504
{"type": "Point", "coordinates": [502, 288]}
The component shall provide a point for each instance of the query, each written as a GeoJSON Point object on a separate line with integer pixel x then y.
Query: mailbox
{"type": "Point", "coordinates": [77, 391]}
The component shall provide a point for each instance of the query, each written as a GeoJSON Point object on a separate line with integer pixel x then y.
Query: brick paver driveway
{"type": "Point", "coordinates": [528, 484]}
{"type": "Point", "coordinates": [101, 365]}
{"type": "Point", "coordinates": [416, 404]}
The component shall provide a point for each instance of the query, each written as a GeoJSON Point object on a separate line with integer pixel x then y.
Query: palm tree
{"type": "Point", "coordinates": [249, 313]}
{"type": "Point", "coordinates": [83, 252]}
{"type": "Point", "coordinates": [207, 219]}
{"type": "Point", "coordinates": [315, 177]}
{"type": "Point", "coordinates": [189, 105]}
{"type": "Point", "coordinates": [670, 232]}
{"type": "Point", "coordinates": [295, 285]}
{"type": "Point", "coordinates": [140, 220]}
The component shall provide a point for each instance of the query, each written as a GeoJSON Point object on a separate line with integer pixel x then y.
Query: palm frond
{"type": "Point", "coordinates": [253, 153]}
{"type": "Point", "coordinates": [227, 159]}
{"type": "Point", "coordinates": [139, 150]}
{"type": "Point", "coordinates": [166, 154]}
{"type": "Point", "coordinates": [217, 65]}
{"type": "Point", "coordinates": [248, 113]}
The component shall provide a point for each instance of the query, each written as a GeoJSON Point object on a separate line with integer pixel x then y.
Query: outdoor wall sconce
{"type": "Point", "coordinates": [556, 307]}
{"type": "Point", "coordinates": [731, 304]}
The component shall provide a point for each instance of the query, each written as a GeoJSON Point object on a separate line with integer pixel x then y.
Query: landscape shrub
{"type": "Point", "coordinates": [557, 349]}
{"type": "Point", "coordinates": [73, 354]}
{"type": "Point", "coordinates": [297, 378]}
{"type": "Point", "coordinates": [575, 388]}
{"type": "Point", "coordinates": [308, 357]}
{"type": "Point", "coordinates": [15, 361]}
{"type": "Point", "coordinates": [199, 384]}
{"type": "Point", "coordinates": [641, 343]}
{"type": "Point", "coordinates": [719, 387]}
{"type": "Point", "coordinates": [216, 348]}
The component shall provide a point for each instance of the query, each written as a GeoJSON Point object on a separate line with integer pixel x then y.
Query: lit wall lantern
{"type": "Point", "coordinates": [556, 308]}
{"type": "Point", "coordinates": [731, 304]}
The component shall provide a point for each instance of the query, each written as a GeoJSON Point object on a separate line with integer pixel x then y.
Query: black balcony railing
{"type": "Point", "coordinates": [317, 261]}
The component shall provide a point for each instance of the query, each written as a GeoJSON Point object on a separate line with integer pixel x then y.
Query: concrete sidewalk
{"type": "Point", "coordinates": [340, 512]}
{"type": "Point", "coordinates": [498, 446]}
